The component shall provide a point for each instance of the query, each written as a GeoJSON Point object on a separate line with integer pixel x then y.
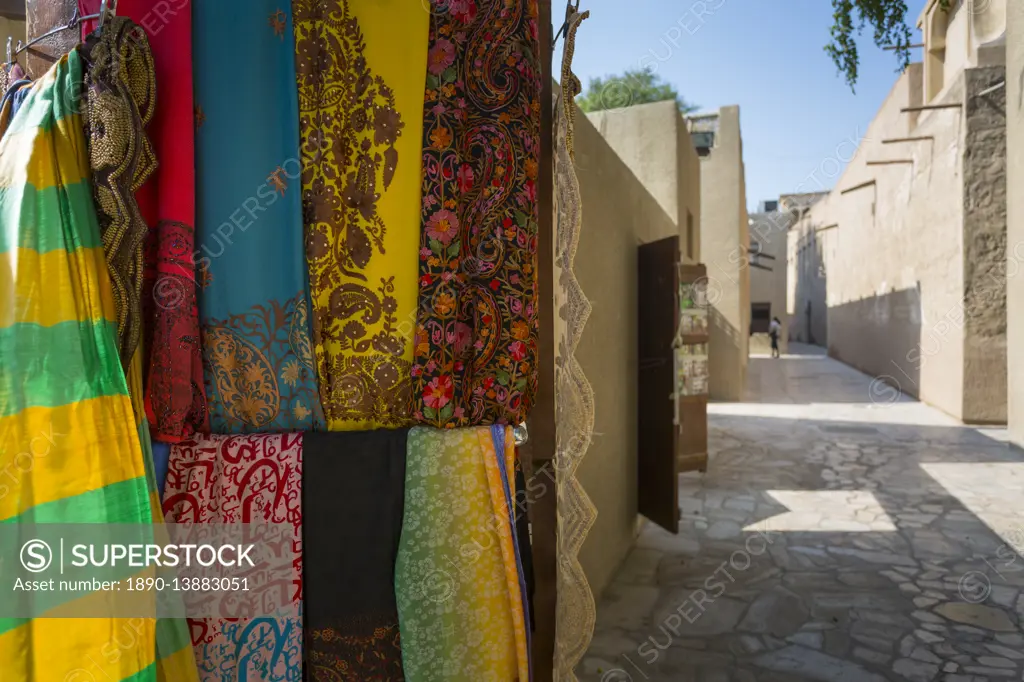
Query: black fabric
{"type": "Point", "coordinates": [353, 499]}
{"type": "Point", "coordinates": [523, 539]}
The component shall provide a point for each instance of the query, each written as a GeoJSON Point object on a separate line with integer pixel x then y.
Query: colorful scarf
{"type": "Point", "coordinates": [63, 391]}
{"type": "Point", "coordinates": [361, 116]}
{"type": "Point", "coordinates": [476, 335]}
{"type": "Point", "coordinates": [174, 393]}
{"type": "Point", "coordinates": [457, 579]}
{"type": "Point", "coordinates": [260, 374]}
{"type": "Point", "coordinates": [244, 480]}
{"type": "Point", "coordinates": [353, 498]}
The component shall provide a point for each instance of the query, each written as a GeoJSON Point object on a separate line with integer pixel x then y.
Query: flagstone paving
{"type": "Point", "coordinates": [842, 533]}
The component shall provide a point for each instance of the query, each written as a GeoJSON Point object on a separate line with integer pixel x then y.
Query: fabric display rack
{"type": "Point", "coordinates": [305, 264]}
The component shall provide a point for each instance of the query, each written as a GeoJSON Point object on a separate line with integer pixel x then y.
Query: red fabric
{"type": "Point", "coordinates": [252, 479]}
{"type": "Point", "coordinates": [175, 397]}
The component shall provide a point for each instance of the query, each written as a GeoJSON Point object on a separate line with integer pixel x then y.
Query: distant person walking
{"type": "Point", "coordinates": [774, 329]}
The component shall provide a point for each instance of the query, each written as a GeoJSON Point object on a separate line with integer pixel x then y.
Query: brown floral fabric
{"type": "Point", "coordinates": [476, 335]}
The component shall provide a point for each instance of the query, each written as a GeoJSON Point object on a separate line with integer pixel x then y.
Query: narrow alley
{"type": "Point", "coordinates": [842, 533]}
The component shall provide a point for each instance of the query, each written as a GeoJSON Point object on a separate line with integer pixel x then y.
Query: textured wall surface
{"type": "Point", "coordinates": [985, 265]}
{"type": "Point", "coordinates": [1015, 217]}
{"type": "Point", "coordinates": [618, 214]}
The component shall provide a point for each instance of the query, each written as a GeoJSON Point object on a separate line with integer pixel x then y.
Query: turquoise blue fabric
{"type": "Point", "coordinates": [254, 294]}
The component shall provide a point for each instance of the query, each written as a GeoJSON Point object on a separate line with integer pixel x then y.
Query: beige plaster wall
{"type": "Point", "coordinates": [652, 140]}
{"type": "Point", "coordinates": [12, 28]}
{"type": "Point", "coordinates": [1015, 218]}
{"type": "Point", "coordinates": [688, 184]}
{"type": "Point", "coordinates": [618, 214]}
{"type": "Point", "coordinates": [724, 243]}
{"type": "Point", "coordinates": [895, 281]}
{"type": "Point", "coordinates": [914, 253]}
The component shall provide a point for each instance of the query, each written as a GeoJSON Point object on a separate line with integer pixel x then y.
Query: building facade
{"type": "Point", "coordinates": [725, 247]}
{"type": "Point", "coordinates": [911, 243]}
{"type": "Point", "coordinates": [639, 181]}
{"type": "Point", "coordinates": [768, 275]}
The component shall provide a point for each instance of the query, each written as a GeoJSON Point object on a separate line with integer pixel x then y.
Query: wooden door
{"type": "Point", "coordinates": [658, 316]}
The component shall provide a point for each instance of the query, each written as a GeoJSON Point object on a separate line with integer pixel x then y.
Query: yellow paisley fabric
{"type": "Point", "coordinates": [361, 71]}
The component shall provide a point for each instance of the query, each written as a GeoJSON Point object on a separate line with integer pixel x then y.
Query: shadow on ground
{"type": "Point", "coordinates": [831, 540]}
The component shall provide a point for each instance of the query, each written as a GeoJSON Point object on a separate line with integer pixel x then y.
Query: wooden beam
{"type": "Point", "coordinates": [543, 510]}
{"type": "Point", "coordinates": [896, 47]}
{"type": "Point", "coordinates": [42, 16]}
{"type": "Point", "coordinates": [890, 162]}
{"type": "Point", "coordinates": [930, 107]}
{"type": "Point", "coordinates": [922, 138]}
{"type": "Point", "coordinates": [869, 183]}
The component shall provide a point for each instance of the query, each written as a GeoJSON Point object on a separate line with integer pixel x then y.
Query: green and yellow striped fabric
{"type": "Point", "coordinates": [68, 433]}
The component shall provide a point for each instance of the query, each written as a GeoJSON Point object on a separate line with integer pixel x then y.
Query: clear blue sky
{"type": "Point", "coordinates": [796, 112]}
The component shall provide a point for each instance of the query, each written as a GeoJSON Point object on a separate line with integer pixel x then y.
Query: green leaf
{"type": "Point", "coordinates": [503, 377]}
{"type": "Point", "coordinates": [430, 413]}
{"type": "Point", "coordinates": [432, 82]}
{"type": "Point", "coordinates": [454, 249]}
{"type": "Point", "coordinates": [449, 75]}
{"type": "Point", "coordinates": [447, 411]}
{"type": "Point", "coordinates": [520, 384]}
{"type": "Point", "coordinates": [436, 246]}
{"type": "Point", "coordinates": [522, 219]}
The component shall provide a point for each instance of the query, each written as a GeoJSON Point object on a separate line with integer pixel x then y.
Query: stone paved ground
{"type": "Point", "coordinates": [842, 533]}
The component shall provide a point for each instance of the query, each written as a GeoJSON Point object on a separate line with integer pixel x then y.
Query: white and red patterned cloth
{"type": "Point", "coordinates": [253, 479]}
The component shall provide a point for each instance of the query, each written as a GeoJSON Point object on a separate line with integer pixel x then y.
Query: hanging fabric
{"type": "Point", "coordinates": [457, 579]}
{"type": "Point", "coordinates": [12, 95]}
{"type": "Point", "coordinates": [174, 393]}
{"type": "Point", "coordinates": [253, 297]}
{"type": "Point", "coordinates": [353, 498]}
{"type": "Point", "coordinates": [121, 100]}
{"type": "Point", "coordinates": [361, 119]}
{"type": "Point", "coordinates": [574, 403]}
{"type": "Point", "coordinates": [476, 337]}
{"type": "Point", "coordinates": [253, 479]}
{"type": "Point", "coordinates": [63, 390]}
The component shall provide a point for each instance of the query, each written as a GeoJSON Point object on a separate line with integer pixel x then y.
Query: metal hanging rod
{"type": "Point", "coordinates": [76, 20]}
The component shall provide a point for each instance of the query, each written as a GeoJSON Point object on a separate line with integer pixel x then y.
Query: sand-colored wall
{"type": "Point", "coordinates": [618, 214]}
{"type": "Point", "coordinates": [1015, 218]}
{"type": "Point", "coordinates": [652, 140]}
{"type": "Point", "coordinates": [725, 240]}
{"type": "Point", "coordinates": [915, 251]}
